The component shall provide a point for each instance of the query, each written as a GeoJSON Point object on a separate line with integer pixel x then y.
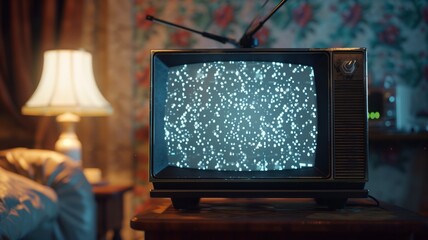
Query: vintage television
{"type": "Point", "coordinates": [258, 123]}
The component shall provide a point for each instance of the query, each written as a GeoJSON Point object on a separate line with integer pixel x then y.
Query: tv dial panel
{"type": "Point", "coordinates": [348, 65]}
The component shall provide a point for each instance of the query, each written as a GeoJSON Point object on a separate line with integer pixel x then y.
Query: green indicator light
{"type": "Point", "coordinates": [377, 115]}
{"type": "Point", "coordinates": [373, 115]}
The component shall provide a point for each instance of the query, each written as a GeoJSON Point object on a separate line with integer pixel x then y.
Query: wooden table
{"type": "Point", "coordinates": [278, 219]}
{"type": "Point", "coordinates": [109, 199]}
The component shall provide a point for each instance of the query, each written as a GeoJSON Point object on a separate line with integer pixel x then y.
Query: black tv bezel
{"type": "Point", "coordinates": [320, 59]}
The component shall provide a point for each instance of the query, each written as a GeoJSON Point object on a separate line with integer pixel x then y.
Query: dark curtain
{"type": "Point", "coordinates": [27, 29]}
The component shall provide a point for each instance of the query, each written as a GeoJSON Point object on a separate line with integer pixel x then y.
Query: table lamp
{"type": "Point", "coordinates": [67, 89]}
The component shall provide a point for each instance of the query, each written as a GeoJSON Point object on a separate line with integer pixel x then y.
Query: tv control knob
{"type": "Point", "coordinates": [348, 66]}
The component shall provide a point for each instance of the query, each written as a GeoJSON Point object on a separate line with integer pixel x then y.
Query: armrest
{"type": "Point", "coordinates": [75, 197]}
{"type": "Point", "coordinates": [24, 206]}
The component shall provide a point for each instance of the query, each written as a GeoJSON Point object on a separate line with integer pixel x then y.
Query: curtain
{"type": "Point", "coordinates": [28, 28]}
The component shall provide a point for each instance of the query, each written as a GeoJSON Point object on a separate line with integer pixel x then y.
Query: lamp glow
{"type": "Point", "coordinates": [67, 89]}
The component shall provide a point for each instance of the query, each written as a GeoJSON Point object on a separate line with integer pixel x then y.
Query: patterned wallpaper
{"type": "Point", "coordinates": [394, 32]}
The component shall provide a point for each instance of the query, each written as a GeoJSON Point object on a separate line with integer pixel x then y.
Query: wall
{"type": "Point", "coordinates": [394, 32]}
{"type": "Point", "coordinates": [107, 141]}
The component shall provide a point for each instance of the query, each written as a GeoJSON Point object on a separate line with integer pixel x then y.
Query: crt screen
{"type": "Point", "coordinates": [241, 116]}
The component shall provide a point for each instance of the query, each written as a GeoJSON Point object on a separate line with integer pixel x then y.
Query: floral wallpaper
{"type": "Point", "coordinates": [394, 32]}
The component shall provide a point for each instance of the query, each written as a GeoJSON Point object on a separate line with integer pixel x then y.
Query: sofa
{"type": "Point", "coordinates": [44, 195]}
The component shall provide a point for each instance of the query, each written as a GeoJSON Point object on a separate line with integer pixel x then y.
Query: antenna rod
{"type": "Point", "coordinates": [261, 23]}
{"type": "Point", "coordinates": [247, 40]}
{"type": "Point", "coordinates": [205, 34]}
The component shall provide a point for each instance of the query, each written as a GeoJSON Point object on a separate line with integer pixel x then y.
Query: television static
{"type": "Point", "coordinates": [241, 116]}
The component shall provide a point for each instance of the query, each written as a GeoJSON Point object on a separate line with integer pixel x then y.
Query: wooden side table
{"type": "Point", "coordinates": [109, 199]}
{"type": "Point", "coordinates": [233, 219]}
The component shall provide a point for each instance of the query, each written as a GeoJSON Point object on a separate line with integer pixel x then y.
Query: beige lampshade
{"type": "Point", "coordinates": [67, 85]}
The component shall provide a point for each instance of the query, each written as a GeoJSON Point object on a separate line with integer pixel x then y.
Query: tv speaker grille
{"type": "Point", "coordinates": [350, 128]}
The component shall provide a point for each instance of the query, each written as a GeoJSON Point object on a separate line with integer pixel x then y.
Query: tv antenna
{"type": "Point", "coordinates": [246, 41]}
